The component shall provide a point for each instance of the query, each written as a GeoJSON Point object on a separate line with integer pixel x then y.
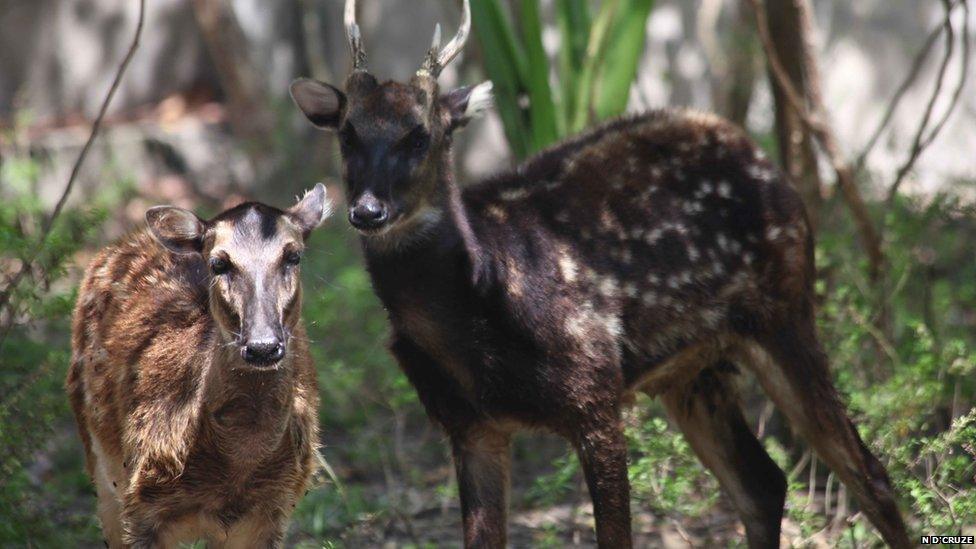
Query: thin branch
{"type": "Point", "coordinates": [913, 73]}
{"type": "Point", "coordinates": [96, 126]}
{"type": "Point", "coordinates": [921, 140]}
{"type": "Point", "coordinates": [813, 121]}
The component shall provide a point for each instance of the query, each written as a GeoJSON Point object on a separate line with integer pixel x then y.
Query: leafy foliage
{"type": "Point", "coordinates": [36, 496]}
{"type": "Point", "coordinates": [597, 64]}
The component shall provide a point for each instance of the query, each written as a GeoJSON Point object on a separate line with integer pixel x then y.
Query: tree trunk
{"type": "Point", "coordinates": [790, 26]}
{"type": "Point", "coordinates": [248, 106]}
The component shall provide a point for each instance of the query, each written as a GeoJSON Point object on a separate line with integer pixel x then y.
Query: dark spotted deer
{"type": "Point", "coordinates": [656, 253]}
{"type": "Point", "coordinates": [191, 380]}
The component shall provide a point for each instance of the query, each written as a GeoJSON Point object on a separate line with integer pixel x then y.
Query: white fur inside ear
{"type": "Point", "coordinates": [326, 204]}
{"type": "Point", "coordinates": [480, 100]}
{"type": "Point", "coordinates": [313, 208]}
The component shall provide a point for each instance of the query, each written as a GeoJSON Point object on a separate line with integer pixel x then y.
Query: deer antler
{"type": "Point", "coordinates": [354, 36]}
{"type": "Point", "coordinates": [438, 58]}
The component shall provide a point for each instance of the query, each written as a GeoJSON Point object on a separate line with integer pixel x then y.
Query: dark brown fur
{"type": "Point", "coordinates": [648, 254]}
{"type": "Point", "coordinates": [181, 439]}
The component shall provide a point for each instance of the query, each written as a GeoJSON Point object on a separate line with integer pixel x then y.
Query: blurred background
{"type": "Point", "coordinates": [869, 106]}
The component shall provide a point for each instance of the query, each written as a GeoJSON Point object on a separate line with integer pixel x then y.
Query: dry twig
{"type": "Point", "coordinates": [48, 225]}
{"type": "Point", "coordinates": [923, 140]}
{"type": "Point", "coordinates": [913, 72]}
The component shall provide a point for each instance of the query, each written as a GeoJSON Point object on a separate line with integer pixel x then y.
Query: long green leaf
{"type": "Point", "coordinates": [542, 110]}
{"type": "Point", "coordinates": [573, 21]}
{"type": "Point", "coordinates": [594, 57]}
{"type": "Point", "coordinates": [624, 50]}
{"type": "Point", "coordinates": [505, 64]}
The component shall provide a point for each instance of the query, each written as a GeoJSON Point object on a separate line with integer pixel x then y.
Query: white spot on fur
{"type": "Point", "coordinates": [608, 286]}
{"type": "Point", "coordinates": [630, 289]}
{"type": "Point", "coordinates": [722, 241]}
{"type": "Point", "coordinates": [725, 189]}
{"type": "Point", "coordinates": [497, 213]}
{"type": "Point", "coordinates": [653, 236]}
{"type": "Point", "coordinates": [759, 172]}
{"type": "Point", "coordinates": [568, 267]}
{"type": "Point", "coordinates": [773, 232]}
{"type": "Point", "coordinates": [514, 194]}
{"type": "Point", "coordinates": [585, 323]}
{"type": "Point", "coordinates": [649, 298]}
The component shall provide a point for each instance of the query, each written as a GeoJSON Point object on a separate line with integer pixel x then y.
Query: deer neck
{"type": "Point", "coordinates": [248, 410]}
{"type": "Point", "coordinates": [443, 263]}
{"type": "Point", "coordinates": [438, 237]}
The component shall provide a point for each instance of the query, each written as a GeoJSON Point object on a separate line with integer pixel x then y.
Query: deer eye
{"type": "Point", "coordinates": [420, 142]}
{"type": "Point", "coordinates": [219, 266]}
{"type": "Point", "coordinates": [293, 258]}
{"type": "Point", "coordinates": [416, 140]}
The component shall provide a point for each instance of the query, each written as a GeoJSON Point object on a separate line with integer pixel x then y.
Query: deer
{"type": "Point", "coordinates": [660, 253]}
{"type": "Point", "coordinates": [191, 380]}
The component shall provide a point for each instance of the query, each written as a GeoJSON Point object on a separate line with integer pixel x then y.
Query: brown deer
{"type": "Point", "coordinates": [658, 253]}
{"type": "Point", "coordinates": [191, 380]}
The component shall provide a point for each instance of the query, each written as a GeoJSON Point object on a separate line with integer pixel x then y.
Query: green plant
{"type": "Point", "coordinates": [36, 499]}
{"type": "Point", "coordinates": [598, 59]}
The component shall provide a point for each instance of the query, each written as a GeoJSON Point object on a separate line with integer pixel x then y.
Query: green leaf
{"type": "Point", "coordinates": [573, 20]}
{"type": "Point", "coordinates": [626, 44]}
{"type": "Point", "coordinates": [506, 67]}
{"type": "Point", "coordinates": [542, 110]}
{"type": "Point", "coordinates": [595, 50]}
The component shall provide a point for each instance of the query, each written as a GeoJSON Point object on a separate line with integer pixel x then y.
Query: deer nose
{"type": "Point", "coordinates": [263, 351]}
{"type": "Point", "coordinates": [368, 213]}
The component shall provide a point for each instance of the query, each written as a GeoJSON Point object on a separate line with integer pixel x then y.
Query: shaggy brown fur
{"type": "Point", "coordinates": [184, 438]}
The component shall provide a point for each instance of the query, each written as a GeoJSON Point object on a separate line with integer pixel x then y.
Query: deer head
{"type": "Point", "coordinates": [395, 138]}
{"type": "Point", "coordinates": [253, 253]}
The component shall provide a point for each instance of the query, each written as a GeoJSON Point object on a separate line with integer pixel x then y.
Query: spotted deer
{"type": "Point", "coordinates": [659, 253]}
{"type": "Point", "coordinates": [191, 379]}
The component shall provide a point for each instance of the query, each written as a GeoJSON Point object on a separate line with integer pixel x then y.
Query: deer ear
{"type": "Point", "coordinates": [321, 103]}
{"type": "Point", "coordinates": [464, 104]}
{"type": "Point", "coordinates": [313, 208]}
{"type": "Point", "coordinates": [181, 231]}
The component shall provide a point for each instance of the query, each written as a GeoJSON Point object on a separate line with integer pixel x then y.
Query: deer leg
{"type": "Point", "coordinates": [109, 511]}
{"type": "Point", "coordinates": [602, 453]}
{"type": "Point", "coordinates": [258, 532]}
{"type": "Point", "coordinates": [482, 462]}
{"type": "Point", "coordinates": [708, 413]}
{"type": "Point", "coordinates": [793, 370]}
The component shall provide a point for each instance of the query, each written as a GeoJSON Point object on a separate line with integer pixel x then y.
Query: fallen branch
{"type": "Point", "coordinates": [48, 224]}
{"type": "Point", "coordinates": [813, 120]}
